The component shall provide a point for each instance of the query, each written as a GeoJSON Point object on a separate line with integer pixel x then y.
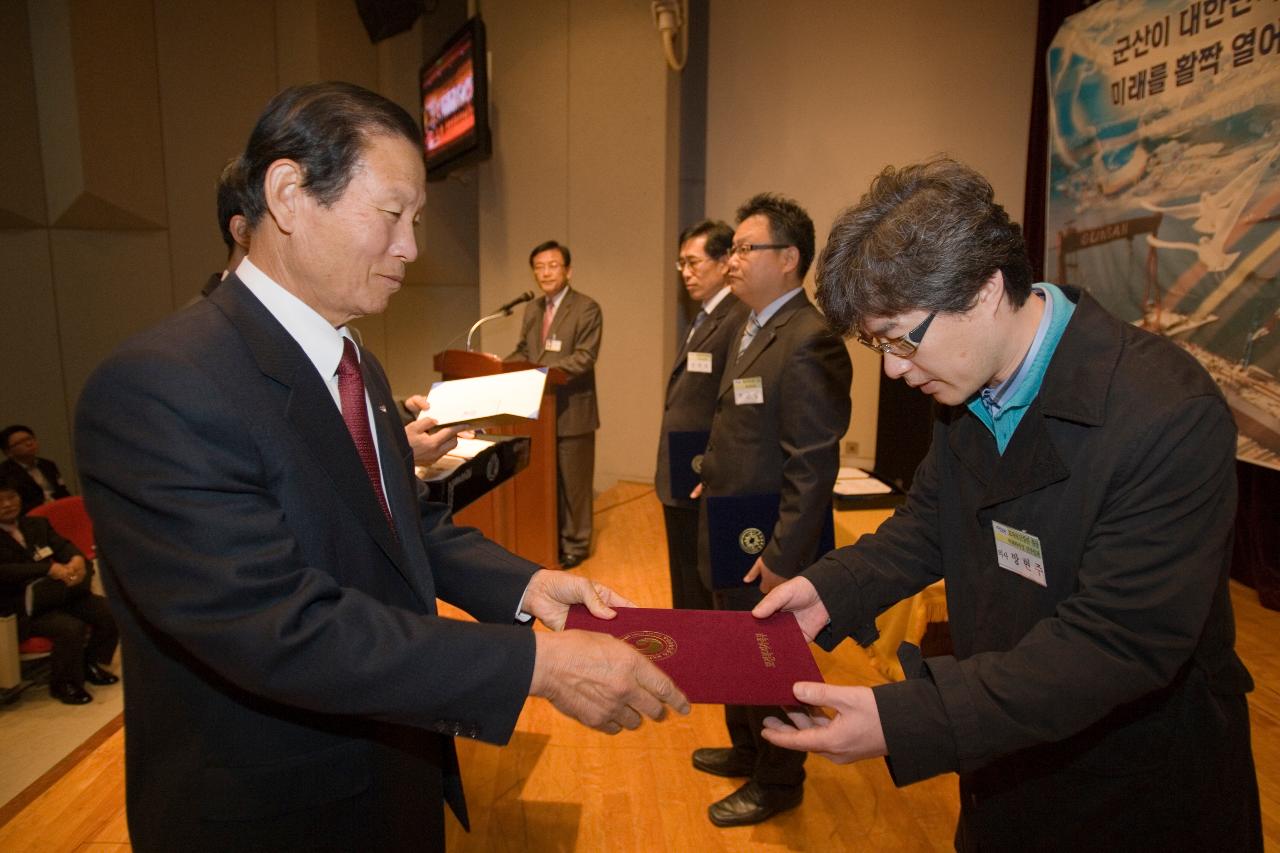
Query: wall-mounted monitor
{"type": "Point", "coordinates": [455, 102]}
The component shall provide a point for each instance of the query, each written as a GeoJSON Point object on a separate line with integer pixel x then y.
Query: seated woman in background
{"type": "Point", "coordinates": [78, 622]}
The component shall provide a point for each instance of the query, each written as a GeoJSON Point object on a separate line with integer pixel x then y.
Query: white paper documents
{"type": "Point", "coordinates": [487, 400]}
{"type": "Point", "coordinates": [855, 481]}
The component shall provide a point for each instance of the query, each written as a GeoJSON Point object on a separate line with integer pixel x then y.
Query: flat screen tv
{"type": "Point", "coordinates": [455, 102]}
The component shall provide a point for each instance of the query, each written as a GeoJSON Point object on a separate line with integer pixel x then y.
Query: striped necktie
{"type": "Point", "coordinates": [748, 334]}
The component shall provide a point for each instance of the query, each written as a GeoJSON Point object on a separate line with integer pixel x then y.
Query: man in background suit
{"type": "Point", "coordinates": [562, 328]}
{"type": "Point", "coordinates": [692, 390]}
{"type": "Point", "coordinates": [271, 563]}
{"type": "Point", "coordinates": [37, 480]}
{"type": "Point", "coordinates": [782, 408]}
{"type": "Point", "coordinates": [231, 222]}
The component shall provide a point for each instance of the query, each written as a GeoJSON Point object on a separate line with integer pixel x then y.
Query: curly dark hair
{"type": "Point", "coordinates": [925, 237]}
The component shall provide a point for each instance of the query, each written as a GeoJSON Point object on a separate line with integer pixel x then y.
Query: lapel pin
{"type": "Point", "coordinates": [382, 408]}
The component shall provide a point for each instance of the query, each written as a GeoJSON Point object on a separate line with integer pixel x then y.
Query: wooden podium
{"type": "Point", "coordinates": [520, 514]}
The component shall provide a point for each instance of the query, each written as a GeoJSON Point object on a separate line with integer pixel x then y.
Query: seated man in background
{"type": "Point", "coordinates": [37, 480]}
{"type": "Point", "coordinates": [83, 633]}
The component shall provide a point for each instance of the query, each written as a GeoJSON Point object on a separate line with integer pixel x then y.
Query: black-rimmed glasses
{"type": "Point", "coordinates": [744, 249]}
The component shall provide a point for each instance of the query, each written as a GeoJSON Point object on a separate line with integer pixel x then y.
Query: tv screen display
{"type": "Point", "coordinates": [455, 102]}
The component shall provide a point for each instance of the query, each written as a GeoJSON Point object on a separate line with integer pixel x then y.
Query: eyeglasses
{"type": "Point", "coordinates": [743, 249]}
{"type": "Point", "coordinates": [552, 267]}
{"type": "Point", "coordinates": [689, 263]}
{"type": "Point", "coordinates": [904, 346]}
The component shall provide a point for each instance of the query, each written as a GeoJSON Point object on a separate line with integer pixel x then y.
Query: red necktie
{"type": "Point", "coordinates": [351, 393]}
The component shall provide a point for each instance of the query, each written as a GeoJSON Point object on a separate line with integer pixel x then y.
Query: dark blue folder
{"type": "Point", "coordinates": [738, 529]}
{"type": "Point", "coordinates": [684, 453]}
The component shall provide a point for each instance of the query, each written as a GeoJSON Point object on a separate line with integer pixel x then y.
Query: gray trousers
{"type": "Point", "coordinates": [575, 467]}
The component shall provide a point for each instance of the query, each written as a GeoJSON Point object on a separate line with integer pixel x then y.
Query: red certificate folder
{"type": "Point", "coordinates": [719, 657]}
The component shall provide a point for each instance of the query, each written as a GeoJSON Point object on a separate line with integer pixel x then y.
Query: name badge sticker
{"type": "Point", "coordinates": [699, 362]}
{"type": "Point", "coordinates": [553, 345]}
{"type": "Point", "coordinates": [748, 391]}
{"type": "Point", "coordinates": [1019, 552]}
{"type": "Point", "coordinates": [42, 553]}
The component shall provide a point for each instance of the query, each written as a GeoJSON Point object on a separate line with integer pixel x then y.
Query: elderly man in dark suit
{"type": "Point", "coordinates": [562, 328]}
{"type": "Point", "coordinates": [692, 390]}
{"type": "Point", "coordinates": [781, 410]}
{"type": "Point", "coordinates": [36, 479]}
{"type": "Point", "coordinates": [271, 562]}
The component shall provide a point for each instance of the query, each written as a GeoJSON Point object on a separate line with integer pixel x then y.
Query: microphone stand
{"type": "Point", "coordinates": [504, 311]}
{"type": "Point", "coordinates": [478, 323]}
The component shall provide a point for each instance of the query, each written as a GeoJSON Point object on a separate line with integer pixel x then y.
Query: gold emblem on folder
{"type": "Point", "coordinates": [751, 540]}
{"type": "Point", "coordinates": [654, 645]}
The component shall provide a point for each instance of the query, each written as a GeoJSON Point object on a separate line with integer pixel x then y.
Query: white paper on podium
{"type": "Point", "coordinates": [487, 400]}
{"type": "Point", "coordinates": [860, 483]}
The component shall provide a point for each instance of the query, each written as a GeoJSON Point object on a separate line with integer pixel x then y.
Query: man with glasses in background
{"type": "Point", "coordinates": [1078, 498]}
{"type": "Point", "coordinates": [35, 478]}
{"type": "Point", "coordinates": [781, 409]}
{"type": "Point", "coordinates": [562, 328]}
{"type": "Point", "coordinates": [703, 264]}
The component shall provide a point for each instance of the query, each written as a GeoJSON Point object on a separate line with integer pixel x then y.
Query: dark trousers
{"type": "Point", "coordinates": [688, 592]}
{"type": "Point", "coordinates": [80, 629]}
{"type": "Point", "coordinates": [774, 765]}
{"type": "Point", "coordinates": [576, 462]}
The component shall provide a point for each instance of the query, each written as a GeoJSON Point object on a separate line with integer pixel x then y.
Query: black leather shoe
{"type": "Point", "coordinates": [722, 761]}
{"type": "Point", "coordinates": [571, 561]}
{"type": "Point", "coordinates": [95, 674]}
{"type": "Point", "coordinates": [70, 694]}
{"type": "Point", "coordinates": [753, 803]}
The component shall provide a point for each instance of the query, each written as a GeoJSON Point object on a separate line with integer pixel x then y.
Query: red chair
{"type": "Point", "coordinates": [34, 648]}
{"type": "Point", "coordinates": [69, 517]}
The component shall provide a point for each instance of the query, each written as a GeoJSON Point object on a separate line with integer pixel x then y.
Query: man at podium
{"type": "Point", "coordinates": [562, 328]}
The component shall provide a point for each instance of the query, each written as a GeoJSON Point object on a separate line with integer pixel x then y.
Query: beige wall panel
{"type": "Point", "coordinates": [345, 52]}
{"type": "Point", "coordinates": [523, 188]}
{"type": "Point", "coordinates": [422, 322]}
{"type": "Point", "coordinates": [814, 100]}
{"type": "Point", "coordinates": [108, 285]}
{"type": "Point", "coordinates": [105, 171]}
{"type": "Point", "coordinates": [217, 70]}
{"type": "Point", "coordinates": [33, 395]}
{"type": "Point", "coordinates": [21, 171]}
{"type": "Point", "coordinates": [297, 34]}
{"type": "Point", "coordinates": [618, 218]}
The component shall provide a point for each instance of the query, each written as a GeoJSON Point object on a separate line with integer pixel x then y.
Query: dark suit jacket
{"type": "Point", "coordinates": [18, 566]}
{"type": "Point", "coordinates": [789, 444]}
{"type": "Point", "coordinates": [691, 397]}
{"type": "Point", "coordinates": [28, 489]}
{"type": "Point", "coordinates": [1095, 710]}
{"type": "Point", "coordinates": [578, 325]}
{"type": "Point", "coordinates": [290, 684]}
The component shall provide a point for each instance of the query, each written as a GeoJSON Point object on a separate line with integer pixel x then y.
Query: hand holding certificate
{"type": "Point", "coordinates": [715, 656]}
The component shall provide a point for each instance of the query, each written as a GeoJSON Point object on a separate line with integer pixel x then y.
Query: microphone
{"type": "Point", "coordinates": [504, 311]}
{"type": "Point", "coordinates": [522, 298]}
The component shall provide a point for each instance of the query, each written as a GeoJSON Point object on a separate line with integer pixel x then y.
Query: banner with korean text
{"type": "Point", "coordinates": [1164, 184]}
